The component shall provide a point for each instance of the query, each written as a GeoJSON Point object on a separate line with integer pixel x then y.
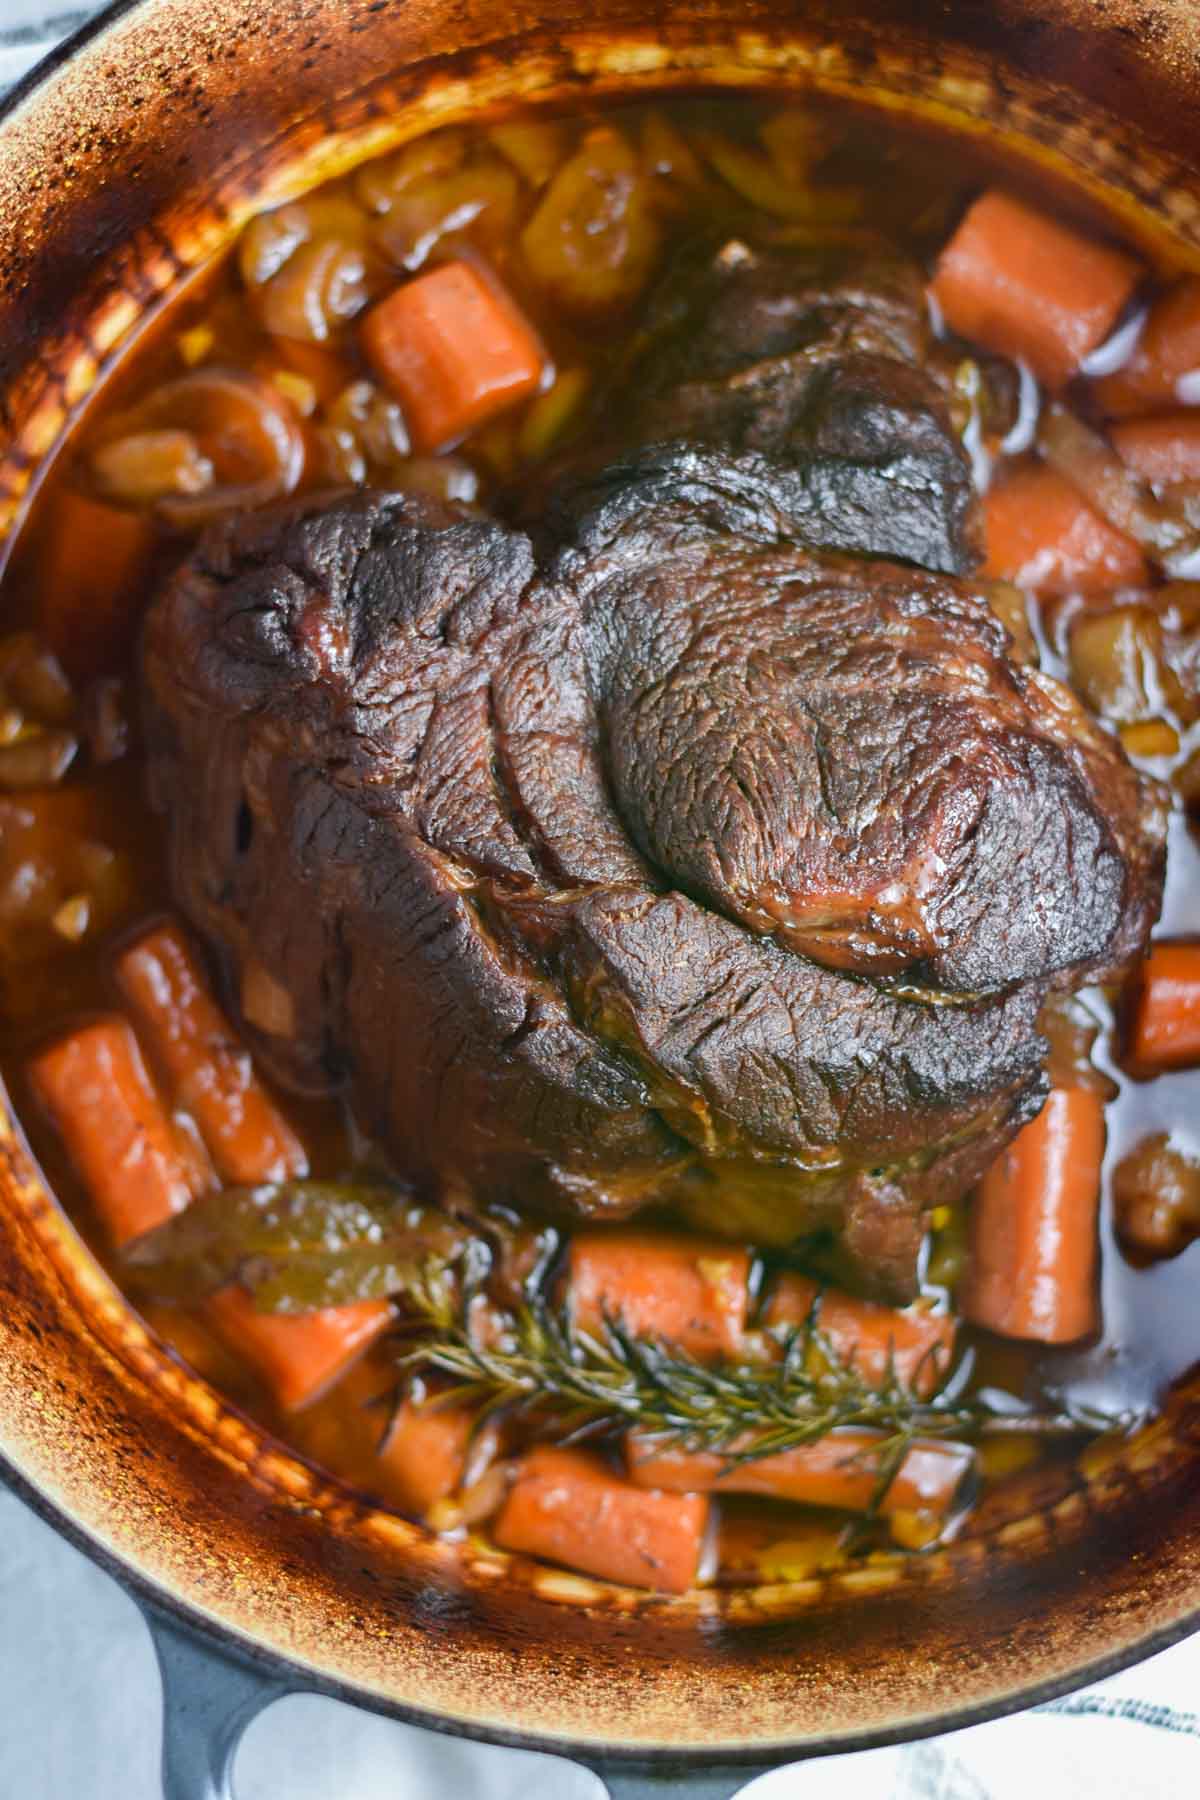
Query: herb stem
{"type": "Point", "coordinates": [532, 1361]}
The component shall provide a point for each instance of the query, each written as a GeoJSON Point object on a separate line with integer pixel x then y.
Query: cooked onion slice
{"type": "Point", "coordinates": [1091, 465]}
{"type": "Point", "coordinates": [266, 1003]}
{"type": "Point", "coordinates": [38, 761]}
{"type": "Point", "coordinates": [148, 466]}
{"type": "Point", "coordinates": [242, 426]}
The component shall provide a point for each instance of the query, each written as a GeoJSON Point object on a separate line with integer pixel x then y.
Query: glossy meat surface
{"type": "Point", "coordinates": [812, 366]}
{"type": "Point", "coordinates": [665, 853]}
{"type": "Point", "coordinates": [843, 754]}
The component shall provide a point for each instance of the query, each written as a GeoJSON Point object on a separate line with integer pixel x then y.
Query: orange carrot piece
{"type": "Point", "coordinates": [568, 1507]}
{"type": "Point", "coordinates": [455, 350]}
{"type": "Point", "coordinates": [94, 566]}
{"type": "Point", "coordinates": [1167, 352]}
{"type": "Point", "coordinates": [1017, 281]}
{"type": "Point", "coordinates": [1164, 1017]}
{"type": "Point", "coordinates": [209, 1069]}
{"type": "Point", "coordinates": [297, 1355]}
{"type": "Point", "coordinates": [1033, 1249]}
{"type": "Point", "coordinates": [917, 1344]}
{"type": "Point", "coordinates": [425, 1453]}
{"type": "Point", "coordinates": [686, 1291]}
{"type": "Point", "coordinates": [1042, 534]}
{"type": "Point", "coordinates": [840, 1470]}
{"type": "Point", "coordinates": [96, 1090]}
{"type": "Point", "coordinates": [1162, 450]}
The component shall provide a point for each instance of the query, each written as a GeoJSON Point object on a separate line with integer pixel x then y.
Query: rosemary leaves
{"type": "Point", "coordinates": [534, 1363]}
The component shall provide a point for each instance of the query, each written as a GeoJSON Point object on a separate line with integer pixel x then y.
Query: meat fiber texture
{"type": "Point", "coordinates": [812, 368]}
{"type": "Point", "coordinates": [662, 857]}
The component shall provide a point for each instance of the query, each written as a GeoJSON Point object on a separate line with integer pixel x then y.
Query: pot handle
{"type": "Point", "coordinates": [679, 1783]}
{"type": "Point", "coordinates": [209, 1698]}
{"type": "Point", "coordinates": [208, 1701]}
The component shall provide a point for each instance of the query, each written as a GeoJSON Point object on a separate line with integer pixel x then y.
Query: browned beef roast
{"type": "Point", "coordinates": [814, 367]}
{"type": "Point", "coordinates": [841, 754]}
{"type": "Point", "coordinates": [663, 852]}
{"type": "Point", "coordinates": [554, 857]}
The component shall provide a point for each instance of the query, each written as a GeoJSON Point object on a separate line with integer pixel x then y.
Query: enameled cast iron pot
{"type": "Point", "coordinates": [124, 165]}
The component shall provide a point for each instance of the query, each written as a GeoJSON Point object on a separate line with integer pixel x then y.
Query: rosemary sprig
{"type": "Point", "coordinates": [533, 1362]}
{"type": "Point", "coordinates": [303, 1244]}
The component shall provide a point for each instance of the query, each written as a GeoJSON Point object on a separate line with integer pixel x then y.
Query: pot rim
{"type": "Point", "coordinates": [230, 1640]}
{"type": "Point", "coordinates": [217, 1635]}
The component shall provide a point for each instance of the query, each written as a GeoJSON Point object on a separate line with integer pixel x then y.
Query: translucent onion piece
{"type": "Point", "coordinates": [794, 140]}
{"type": "Point", "coordinates": [272, 238]}
{"type": "Point", "coordinates": [483, 195]}
{"type": "Point", "coordinates": [1119, 665]}
{"type": "Point", "coordinates": [1117, 347]}
{"type": "Point", "coordinates": [378, 183]}
{"type": "Point", "coordinates": [320, 288]}
{"type": "Point", "coordinates": [1011, 607]}
{"type": "Point", "coordinates": [32, 678]}
{"type": "Point", "coordinates": [1091, 465]}
{"type": "Point", "coordinates": [666, 154]}
{"type": "Point", "coordinates": [1023, 430]}
{"type": "Point", "coordinates": [758, 179]}
{"type": "Point", "coordinates": [266, 1003]}
{"type": "Point", "coordinates": [373, 419]}
{"type": "Point", "coordinates": [594, 238]}
{"type": "Point", "coordinates": [1156, 1199]}
{"type": "Point", "coordinates": [243, 425]}
{"type": "Point", "coordinates": [150, 465]}
{"type": "Point", "coordinates": [105, 726]}
{"type": "Point", "coordinates": [38, 761]}
{"type": "Point", "coordinates": [442, 477]}
{"type": "Point", "coordinates": [534, 147]}
{"type": "Point", "coordinates": [269, 240]}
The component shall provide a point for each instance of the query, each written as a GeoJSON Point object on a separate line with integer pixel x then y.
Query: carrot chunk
{"type": "Point", "coordinates": [1033, 1250]}
{"type": "Point", "coordinates": [209, 1069]}
{"type": "Point", "coordinates": [1164, 1017]}
{"type": "Point", "coordinates": [1042, 534]}
{"type": "Point", "coordinates": [841, 1470]}
{"type": "Point", "coordinates": [424, 1455]}
{"type": "Point", "coordinates": [1166, 355]}
{"type": "Point", "coordinates": [1017, 281]}
{"type": "Point", "coordinates": [94, 567]}
{"type": "Point", "coordinates": [568, 1507]}
{"type": "Point", "coordinates": [917, 1344]}
{"type": "Point", "coordinates": [690, 1292]}
{"type": "Point", "coordinates": [455, 350]}
{"type": "Point", "coordinates": [1162, 450]}
{"type": "Point", "coordinates": [96, 1090]}
{"type": "Point", "coordinates": [298, 1356]}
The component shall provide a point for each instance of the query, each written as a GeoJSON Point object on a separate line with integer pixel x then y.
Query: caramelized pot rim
{"type": "Point", "coordinates": [275, 1664]}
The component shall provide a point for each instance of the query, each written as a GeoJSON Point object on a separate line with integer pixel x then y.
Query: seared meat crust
{"type": "Point", "coordinates": [663, 852]}
{"type": "Point", "coordinates": [816, 363]}
{"type": "Point", "coordinates": [844, 754]}
{"type": "Point", "coordinates": [400, 763]}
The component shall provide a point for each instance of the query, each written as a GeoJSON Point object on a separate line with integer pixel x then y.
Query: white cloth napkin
{"type": "Point", "coordinates": [28, 28]}
{"type": "Point", "coordinates": [79, 1693]}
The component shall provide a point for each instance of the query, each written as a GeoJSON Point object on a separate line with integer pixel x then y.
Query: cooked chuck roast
{"type": "Point", "coordinates": [671, 860]}
{"type": "Point", "coordinates": [814, 364]}
{"type": "Point", "coordinates": [842, 754]}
